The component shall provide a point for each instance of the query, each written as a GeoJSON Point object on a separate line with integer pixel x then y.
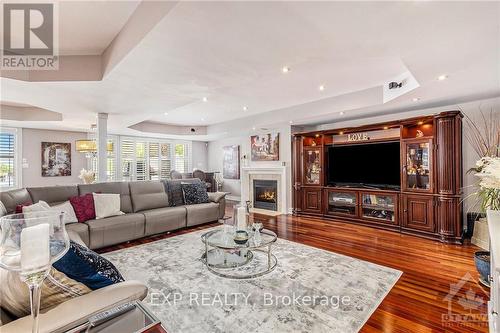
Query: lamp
{"type": "Point", "coordinates": [89, 147]}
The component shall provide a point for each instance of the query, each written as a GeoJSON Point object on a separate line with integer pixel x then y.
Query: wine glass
{"type": "Point", "coordinates": [29, 244]}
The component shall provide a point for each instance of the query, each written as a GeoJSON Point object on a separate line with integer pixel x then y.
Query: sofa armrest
{"type": "Point", "coordinates": [77, 310]}
{"type": "Point", "coordinates": [216, 196]}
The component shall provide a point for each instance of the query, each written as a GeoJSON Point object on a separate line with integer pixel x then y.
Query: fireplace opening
{"type": "Point", "coordinates": [265, 194]}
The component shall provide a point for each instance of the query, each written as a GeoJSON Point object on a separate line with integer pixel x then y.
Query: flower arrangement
{"type": "Point", "coordinates": [87, 176]}
{"type": "Point", "coordinates": [488, 170]}
{"type": "Point", "coordinates": [485, 140]}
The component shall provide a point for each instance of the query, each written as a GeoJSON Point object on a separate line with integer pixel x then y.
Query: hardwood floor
{"type": "Point", "coordinates": [418, 302]}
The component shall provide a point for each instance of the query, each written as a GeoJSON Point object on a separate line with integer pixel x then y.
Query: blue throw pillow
{"type": "Point", "coordinates": [87, 267]}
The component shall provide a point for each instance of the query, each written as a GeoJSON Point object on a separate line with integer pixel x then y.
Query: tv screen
{"type": "Point", "coordinates": [373, 164]}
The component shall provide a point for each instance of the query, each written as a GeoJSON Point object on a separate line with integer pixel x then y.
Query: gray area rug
{"type": "Point", "coordinates": [310, 290]}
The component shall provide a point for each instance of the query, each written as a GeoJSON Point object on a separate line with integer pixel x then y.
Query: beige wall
{"type": "Point", "coordinates": [31, 141]}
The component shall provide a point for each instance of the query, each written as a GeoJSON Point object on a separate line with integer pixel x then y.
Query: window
{"type": "Point", "coordinates": [8, 158]}
{"type": "Point", "coordinates": [111, 161]}
{"type": "Point", "coordinates": [182, 157]}
{"type": "Point", "coordinates": [146, 159]}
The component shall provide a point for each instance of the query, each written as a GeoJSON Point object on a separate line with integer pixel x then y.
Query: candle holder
{"type": "Point", "coordinates": [240, 217]}
{"type": "Point", "coordinates": [29, 244]}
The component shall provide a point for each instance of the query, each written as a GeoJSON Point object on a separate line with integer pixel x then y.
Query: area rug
{"type": "Point", "coordinates": [310, 290]}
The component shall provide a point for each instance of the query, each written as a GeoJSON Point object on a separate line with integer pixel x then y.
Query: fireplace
{"type": "Point", "coordinates": [265, 194]}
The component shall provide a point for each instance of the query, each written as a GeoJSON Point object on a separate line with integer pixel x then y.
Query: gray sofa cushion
{"type": "Point", "coordinates": [53, 194]}
{"type": "Point", "coordinates": [202, 213]}
{"type": "Point", "coordinates": [115, 229]}
{"type": "Point", "coordinates": [164, 219]}
{"type": "Point", "coordinates": [148, 195]}
{"type": "Point", "coordinates": [120, 188]}
{"type": "Point", "coordinates": [11, 199]}
{"type": "Point", "coordinates": [81, 229]}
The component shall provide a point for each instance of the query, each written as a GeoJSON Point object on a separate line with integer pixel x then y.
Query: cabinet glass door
{"type": "Point", "coordinates": [417, 172]}
{"type": "Point", "coordinates": [342, 203]}
{"type": "Point", "coordinates": [379, 206]}
{"type": "Point", "coordinates": [312, 166]}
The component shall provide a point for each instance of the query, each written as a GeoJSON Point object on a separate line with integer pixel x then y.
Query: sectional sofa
{"type": "Point", "coordinates": [145, 204]}
{"type": "Point", "coordinates": [148, 211]}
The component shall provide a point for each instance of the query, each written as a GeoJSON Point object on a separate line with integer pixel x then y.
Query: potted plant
{"type": "Point", "coordinates": [485, 140]}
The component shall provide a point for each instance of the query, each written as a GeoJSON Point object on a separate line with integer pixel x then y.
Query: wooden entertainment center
{"type": "Point", "coordinates": [428, 202]}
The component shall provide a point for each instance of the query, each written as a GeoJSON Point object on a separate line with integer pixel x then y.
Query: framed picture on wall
{"type": "Point", "coordinates": [265, 147]}
{"type": "Point", "coordinates": [56, 159]}
{"type": "Point", "coordinates": [231, 162]}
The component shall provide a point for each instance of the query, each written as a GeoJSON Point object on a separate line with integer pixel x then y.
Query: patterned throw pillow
{"type": "Point", "coordinates": [84, 207]}
{"type": "Point", "coordinates": [174, 193]}
{"type": "Point", "coordinates": [85, 266]}
{"type": "Point", "coordinates": [57, 288]}
{"type": "Point", "coordinates": [194, 193]}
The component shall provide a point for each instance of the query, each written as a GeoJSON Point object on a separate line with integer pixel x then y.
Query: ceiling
{"type": "Point", "coordinates": [233, 53]}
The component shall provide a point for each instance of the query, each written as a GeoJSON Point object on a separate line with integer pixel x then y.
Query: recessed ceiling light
{"type": "Point", "coordinates": [321, 88]}
{"type": "Point", "coordinates": [416, 99]}
{"type": "Point", "coordinates": [166, 113]}
{"type": "Point", "coordinates": [341, 133]}
{"type": "Point", "coordinates": [420, 123]}
{"type": "Point", "coordinates": [342, 113]}
{"type": "Point", "coordinates": [291, 121]}
{"type": "Point", "coordinates": [202, 119]}
{"type": "Point", "coordinates": [245, 108]}
{"type": "Point", "coordinates": [386, 127]}
{"type": "Point", "coordinates": [442, 77]}
{"type": "Point", "coordinates": [253, 128]}
{"type": "Point", "coordinates": [205, 99]}
{"type": "Point", "coordinates": [285, 69]}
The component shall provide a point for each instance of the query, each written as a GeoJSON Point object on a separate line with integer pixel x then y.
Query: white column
{"type": "Point", "coordinates": [102, 142]}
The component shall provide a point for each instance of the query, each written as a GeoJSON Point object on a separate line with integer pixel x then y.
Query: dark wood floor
{"type": "Point", "coordinates": [417, 303]}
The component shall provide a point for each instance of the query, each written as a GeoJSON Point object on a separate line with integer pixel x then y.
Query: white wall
{"type": "Point", "coordinates": [31, 151]}
{"type": "Point", "coordinates": [215, 157]}
{"type": "Point", "coordinates": [200, 155]}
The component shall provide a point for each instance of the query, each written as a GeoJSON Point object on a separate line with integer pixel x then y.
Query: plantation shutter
{"type": "Point", "coordinates": [165, 160]}
{"type": "Point", "coordinates": [7, 160]}
{"type": "Point", "coordinates": [140, 162]}
{"type": "Point", "coordinates": [127, 149]}
{"type": "Point", "coordinates": [154, 160]}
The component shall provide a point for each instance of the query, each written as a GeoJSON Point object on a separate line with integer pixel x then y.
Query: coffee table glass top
{"type": "Point", "coordinates": [224, 240]}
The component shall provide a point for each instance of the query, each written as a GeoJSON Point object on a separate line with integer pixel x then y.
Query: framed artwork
{"type": "Point", "coordinates": [56, 159]}
{"type": "Point", "coordinates": [231, 162]}
{"type": "Point", "coordinates": [265, 147]}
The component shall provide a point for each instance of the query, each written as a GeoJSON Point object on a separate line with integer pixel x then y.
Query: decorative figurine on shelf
{"type": "Point", "coordinates": [419, 134]}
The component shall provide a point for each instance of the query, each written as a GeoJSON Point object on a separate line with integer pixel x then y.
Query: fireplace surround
{"type": "Point", "coordinates": [277, 173]}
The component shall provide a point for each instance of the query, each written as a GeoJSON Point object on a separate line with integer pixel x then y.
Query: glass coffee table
{"type": "Point", "coordinates": [224, 257]}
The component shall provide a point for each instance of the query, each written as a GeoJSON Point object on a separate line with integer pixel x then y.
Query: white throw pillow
{"type": "Point", "coordinates": [40, 206]}
{"type": "Point", "coordinates": [67, 209]}
{"type": "Point", "coordinates": [106, 204]}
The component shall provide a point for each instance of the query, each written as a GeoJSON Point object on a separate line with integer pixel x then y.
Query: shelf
{"type": "Point", "coordinates": [379, 207]}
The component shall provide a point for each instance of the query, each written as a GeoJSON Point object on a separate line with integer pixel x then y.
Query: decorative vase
{"type": "Point", "coordinates": [482, 262]}
{"type": "Point", "coordinates": [29, 244]}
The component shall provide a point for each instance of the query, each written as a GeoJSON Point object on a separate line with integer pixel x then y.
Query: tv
{"type": "Point", "coordinates": [374, 165]}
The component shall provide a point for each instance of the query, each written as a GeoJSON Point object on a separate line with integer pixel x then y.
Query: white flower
{"type": "Point", "coordinates": [490, 173]}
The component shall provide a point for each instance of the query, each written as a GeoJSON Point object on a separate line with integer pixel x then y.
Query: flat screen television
{"type": "Point", "coordinates": [368, 164]}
